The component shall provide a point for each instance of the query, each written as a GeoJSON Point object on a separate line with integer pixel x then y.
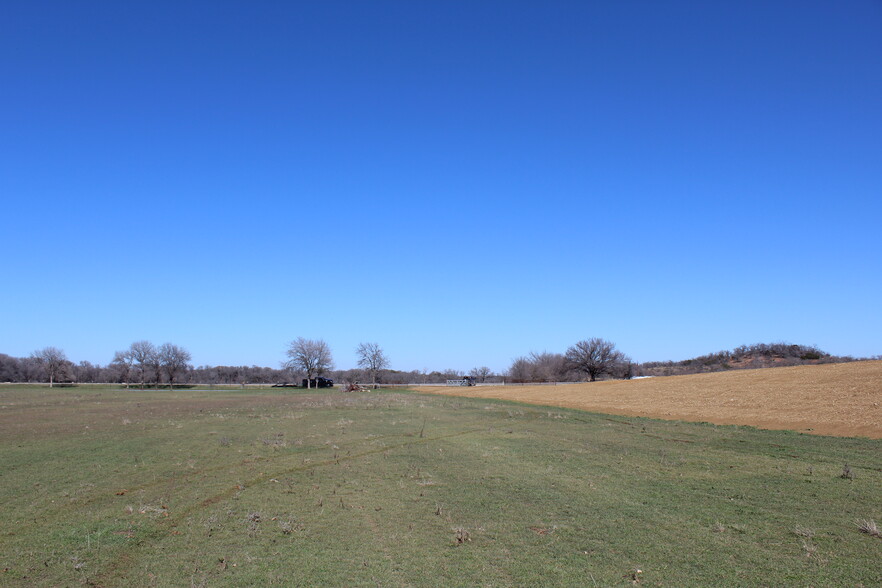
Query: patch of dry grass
{"type": "Point", "coordinates": [844, 400]}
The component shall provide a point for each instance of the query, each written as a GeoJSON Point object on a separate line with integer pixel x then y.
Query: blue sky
{"type": "Point", "coordinates": [461, 182]}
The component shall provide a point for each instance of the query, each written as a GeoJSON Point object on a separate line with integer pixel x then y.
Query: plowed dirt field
{"type": "Point", "coordinates": [844, 400]}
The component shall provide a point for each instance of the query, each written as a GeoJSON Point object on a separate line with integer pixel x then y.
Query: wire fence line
{"type": "Point", "coordinates": [503, 383]}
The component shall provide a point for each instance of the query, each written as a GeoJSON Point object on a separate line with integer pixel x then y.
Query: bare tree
{"type": "Point", "coordinates": [310, 356]}
{"type": "Point", "coordinates": [11, 369]}
{"type": "Point", "coordinates": [173, 360]}
{"type": "Point", "coordinates": [372, 359]}
{"type": "Point", "coordinates": [625, 369]}
{"type": "Point", "coordinates": [144, 355]}
{"type": "Point", "coordinates": [539, 367]}
{"type": "Point", "coordinates": [86, 372]}
{"type": "Point", "coordinates": [481, 373]}
{"type": "Point", "coordinates": [122, 364]}
{"type": "Point", "coordinates": [548, 367]}
{"type": "Point", "coordinates": [31, 369]}
{"type": "Point", "coordinates": [51, 359]}
{"type": "Point", "coordinates": [521, 369]}
{"type": "Point", "coordinates": [594, 357]}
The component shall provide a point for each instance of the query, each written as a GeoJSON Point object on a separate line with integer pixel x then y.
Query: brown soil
{"type": "Point", "coordinates": [844, 400]}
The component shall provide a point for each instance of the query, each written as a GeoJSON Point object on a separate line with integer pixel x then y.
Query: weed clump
{"type": "Point", "coordinates": [253, 520]}
{"type": "Point", "coordinates": [803, 532]}
{"type": "Point", "coordinates": [869, 527]}
{"type": "Point", "coordinates": [809, 548]}
{"type": "Point", "coordinates": [847, 473]}
{"type": "Point", "coordinates": [461, 535]}
{"type": "Point", "coordinates": [634, 576]}
{"type": "Point", "coordinates": [287, 527]}
{"type": "Point", "coordinates": [276, 442]}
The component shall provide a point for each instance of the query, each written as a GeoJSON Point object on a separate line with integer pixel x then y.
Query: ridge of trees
{"type": "Point", "coordinates": [756, 356]}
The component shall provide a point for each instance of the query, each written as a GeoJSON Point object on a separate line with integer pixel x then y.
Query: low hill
{"type": "Point", "coordinates": [833, 399]}
{"type": "Point", "coordinates": [758, 355]}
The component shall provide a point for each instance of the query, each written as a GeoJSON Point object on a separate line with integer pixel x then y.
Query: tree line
{"type": "Point", "coordinates": [589, 359]}
{"type": "Point", "coordinates": [144, 364]}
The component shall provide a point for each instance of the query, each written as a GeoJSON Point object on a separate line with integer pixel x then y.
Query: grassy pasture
{"type": "Point", "coordinates": [232, 488]}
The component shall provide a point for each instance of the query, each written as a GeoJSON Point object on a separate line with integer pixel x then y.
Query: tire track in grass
{"type": "Point", "coordinates": [383, 545]}
{"type": "Point", "coordinates": [186, 476]}
{"type": "Point", "coordinates": [127, 556]}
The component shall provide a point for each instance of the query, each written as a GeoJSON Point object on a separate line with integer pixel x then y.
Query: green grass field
{"type": "Point", "coordinates": [231, 488]}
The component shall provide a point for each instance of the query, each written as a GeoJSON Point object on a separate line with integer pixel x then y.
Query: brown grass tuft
{"type": "Point", "coordinates": [461, 535]}
{"type": "Point", "coordinates": [869, 527]}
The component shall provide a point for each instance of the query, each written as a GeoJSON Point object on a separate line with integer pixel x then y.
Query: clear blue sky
{"type": "Point", "coordinates": [462, 182]}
